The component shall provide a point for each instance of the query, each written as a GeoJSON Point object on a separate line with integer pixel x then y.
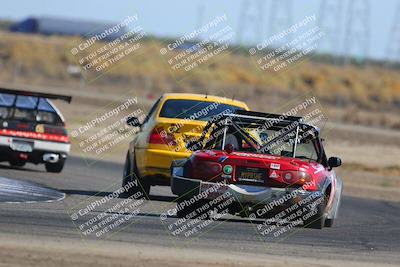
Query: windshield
{"type": "Point", "coordinates": [27, 108]}
{"type": "Point", "coordinates": [279, 139]}
{"type": "Point", "coordinates": [285, 145]}
{"type": "Point", "coordinates": [194, 109]}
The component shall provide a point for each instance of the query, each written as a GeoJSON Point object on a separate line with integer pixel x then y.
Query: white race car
{"type": "Point", "coordinates": [32, 129]}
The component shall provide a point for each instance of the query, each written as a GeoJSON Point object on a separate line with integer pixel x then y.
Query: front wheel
{"type": "Point", "coordinates": [131, 175]}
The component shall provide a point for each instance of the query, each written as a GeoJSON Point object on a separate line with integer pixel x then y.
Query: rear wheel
{"type": "Point", "coordinates": [17, 163]}
{"type": "Point", "coordinates": [131, 174]}
{"type": "Point", "coordinates": [318, 220]}
{"type": "Point", "coordinates": [55, 167]}
{"type": "Point", "coordinates": [329, 222]}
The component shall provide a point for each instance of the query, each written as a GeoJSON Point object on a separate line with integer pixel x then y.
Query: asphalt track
{"type": "Point", "coordinates": [366, 230]}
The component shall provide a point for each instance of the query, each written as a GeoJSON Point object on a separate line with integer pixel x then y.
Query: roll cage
{"type": "Point", "coordinates": [291, 128]}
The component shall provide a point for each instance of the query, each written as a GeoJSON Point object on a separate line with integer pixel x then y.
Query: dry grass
{"type": "Point", "coordinates": [41, 60]}
{"type": "Point", "coordinates": [391, 170]}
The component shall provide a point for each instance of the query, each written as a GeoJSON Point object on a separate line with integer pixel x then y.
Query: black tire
{"type": "Point", "coordinates": [191, 210]}
{"type": "Point", "coordinates": [17, 163]}
{"type": "Point", "coordinates": [329, 222]}
{"type": "Point", "coordinates": [55, 167]}
{"type": "Point", "coordinates": [131, 174]}
{"type": "Point", "coordinates": [318, 220]}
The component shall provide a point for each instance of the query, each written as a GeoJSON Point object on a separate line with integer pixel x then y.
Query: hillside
{"type": "Point", "coordinates": [368, 95]}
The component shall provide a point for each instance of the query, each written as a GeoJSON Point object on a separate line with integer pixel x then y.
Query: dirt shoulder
{"type": "Point", "coordinates": [18, 250]}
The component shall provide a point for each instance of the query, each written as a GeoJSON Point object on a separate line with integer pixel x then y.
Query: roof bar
{"type": "Point", "coordinates": [268, 115]}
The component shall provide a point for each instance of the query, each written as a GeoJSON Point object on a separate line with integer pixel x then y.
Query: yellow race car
{"type": "Point", "coordinates": [172, 122]}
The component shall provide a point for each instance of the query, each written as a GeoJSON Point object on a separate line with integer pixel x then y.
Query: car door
{"type": "Point", "coordinates": [139, 142]}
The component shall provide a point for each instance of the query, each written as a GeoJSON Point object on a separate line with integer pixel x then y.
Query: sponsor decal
{"type": "Point", "coordinates": [273, 175]}
{"type": "Point", "coordinates": [275, 166]}
{"type": "Point", "coordinates": [227, 169]}
{"type": "Point", "coordinates": [222, 159]}
{"type": "Point", "coordinates": [261, 156]}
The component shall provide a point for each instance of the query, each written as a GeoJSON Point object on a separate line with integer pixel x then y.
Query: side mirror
{"type": "Point", "coordinates": [133, 121]}
{"type": "Point", "coordinates": [334, 162]}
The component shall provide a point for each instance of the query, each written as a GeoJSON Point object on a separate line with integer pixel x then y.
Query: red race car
{"type": "Point", "coordinates": [261, 166]}
{"type": "Point", "coordinates": [32, 129]}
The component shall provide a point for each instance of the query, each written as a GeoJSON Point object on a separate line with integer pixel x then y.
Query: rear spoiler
{"type": "Point", "coordinates": [36, 94]}
{"type": "Point", "coordinates": [262, 115]}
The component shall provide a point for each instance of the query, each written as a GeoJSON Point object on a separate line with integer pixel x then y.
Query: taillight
{"type": "Point", "coordinates": [35, 135]}
{"type": "Point", "coordinates": [160, 136]}
{"type": "Point", "coordinates": [57, 134]}
{"type": "Point", "coordinates": [22, 126]}
{"type": "Point", "coordinates": [206, 170]}
{"type": "Point", "coordinates": [296, 177]}
{"type": "Point", "coordinates": [55, 130]}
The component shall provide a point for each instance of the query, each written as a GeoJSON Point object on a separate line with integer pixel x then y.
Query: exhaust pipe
{"type": "Point", "coordinates": [51, 157]}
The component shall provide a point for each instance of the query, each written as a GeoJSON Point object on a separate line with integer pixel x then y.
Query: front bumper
{"type": "Point", "coordinates": [245, 194]}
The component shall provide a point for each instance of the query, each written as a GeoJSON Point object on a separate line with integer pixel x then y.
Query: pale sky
{"type": "Point", "coordinates": [177, 17]}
